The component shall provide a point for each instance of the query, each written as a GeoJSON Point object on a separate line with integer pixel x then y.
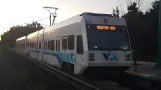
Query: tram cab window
{"type": "Point", "coordinates": [80, 45]}
{"type": "Point", "coordinates": [71, 42]}
{"type": "Point", "coordinates": [53, 45]}
{"type": "Point", "coordinates": [64, 42]}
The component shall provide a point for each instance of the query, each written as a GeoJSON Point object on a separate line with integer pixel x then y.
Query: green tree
{"type": "Point", "coordinates": [116, 12]}
{"type": "Point", "coordinates": [9, 37]}
{"type": "Point", "coordinates": [143, 28]}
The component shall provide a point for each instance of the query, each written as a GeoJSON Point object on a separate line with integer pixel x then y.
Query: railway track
{"type": "Point", "coordinates": [78, 82]}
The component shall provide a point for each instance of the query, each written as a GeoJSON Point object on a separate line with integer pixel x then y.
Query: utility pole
{"type": "Point", "coordinates": [54, 15]}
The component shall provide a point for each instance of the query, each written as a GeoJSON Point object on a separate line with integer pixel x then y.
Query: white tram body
{"type": "Point", "coordinates": [21, 45]}
{"type": "Point", "coordinates": [83, 43]}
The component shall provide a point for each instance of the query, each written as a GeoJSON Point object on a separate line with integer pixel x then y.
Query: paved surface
{"type": "Point", "coordinates": [19, 74]}
{"type": "Point", "coordinates": [146, 69]}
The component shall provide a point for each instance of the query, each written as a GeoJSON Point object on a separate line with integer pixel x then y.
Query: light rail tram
{"type": "Point", "coordinates": [88, 43]}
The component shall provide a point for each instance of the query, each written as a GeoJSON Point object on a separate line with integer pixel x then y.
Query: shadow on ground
{"type": "Point", "coordinates": [17, 73]}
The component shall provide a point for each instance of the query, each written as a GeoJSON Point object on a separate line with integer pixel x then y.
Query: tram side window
{"type": "Point", "coordinates": [35, 45]}
{"type": "Point", "coordinates": [46, 45]}
{"type": "Point", "coordinates": [58, 45]}
{"type": "Point", "coordinates": [39, 45]}
{"type": "Point", "coordinates": [80, 45]}
{"type": "Point", "coordinates": [64, 42]}
{"type": "Point", "coordinates": [71, 42]}
{"type": "Point", "coordinates": [27, 44]}
{"type": "Point", "coordinates": [49, 45]}
{"type": "Point", "coordinates": [32, 44]}
{"type": "Point", "coordinates": [52, 45]}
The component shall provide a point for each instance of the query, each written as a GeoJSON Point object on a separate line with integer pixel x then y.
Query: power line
{"type": "Point", "coordinates": [57, 2]}
{"type": "Point", "coordinates": [37, 20]}
{"type": "Point", "coordinates": [42, 19]}
{"type": "Point", "coordinates": [45, 17]}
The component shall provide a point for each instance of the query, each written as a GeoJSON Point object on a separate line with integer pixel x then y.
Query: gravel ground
{"type": "Point", "coordinates": [17, 73]}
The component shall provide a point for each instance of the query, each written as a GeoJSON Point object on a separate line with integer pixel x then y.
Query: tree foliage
{"type": "Point", "coordinates": [143, 29]}
{"type": "Point", "coordinates": [9, 37]}
{"type": "Point", "coordinates": [116, 12]}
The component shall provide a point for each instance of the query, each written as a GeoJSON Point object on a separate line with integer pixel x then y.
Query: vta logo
{"type": "Point", "coordinates": [110, 57]}
{"type": "Point", "coordinates": [106, 56]}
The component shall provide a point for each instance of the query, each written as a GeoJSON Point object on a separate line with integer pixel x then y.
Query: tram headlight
{"type": "Point", "coordinates": [127, 59]}
{"type": "Point", "coordinates": [91, 56]}
{"type": "Point", "coordinates": [127, 55]}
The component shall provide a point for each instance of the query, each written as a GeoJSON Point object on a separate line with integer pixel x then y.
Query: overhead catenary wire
{"type": "Point", "coordinates": [57, 2]}
{"type": "Point", "coordinates": [38, 20]}
{"type": "Point", "coordinates": [42, 19]}
{"type": "Point", "coordinates": [52, 14]}
{"type": "Point", "coordinates": [46, 17]}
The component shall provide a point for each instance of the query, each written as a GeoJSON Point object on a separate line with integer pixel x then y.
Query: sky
{"type": "Point", "coordinates": [19, 12]}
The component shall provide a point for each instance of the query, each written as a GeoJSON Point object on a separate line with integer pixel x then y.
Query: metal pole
{"type": "Point", "coordinates": [37, 40]}
{"type": "Point", "coordinates": [159, 37]}
{"type": "Point", "coordinates": [50, 19]}
{"type": "Point", "coordinates": [52, 14]}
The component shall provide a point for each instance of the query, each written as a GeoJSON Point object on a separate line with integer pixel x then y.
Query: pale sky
{"type": "Point", "coordinates": [18, 12]}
